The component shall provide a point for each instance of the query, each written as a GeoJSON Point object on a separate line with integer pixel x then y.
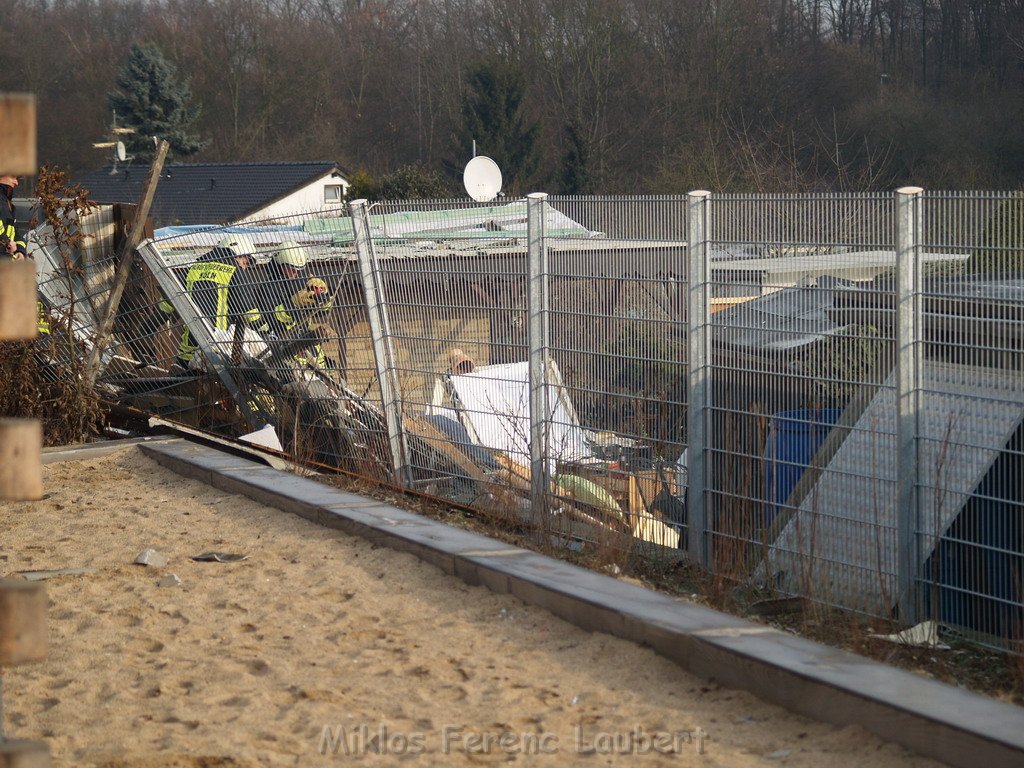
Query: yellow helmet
{"type": "Point", "coordinates": [291, 254]}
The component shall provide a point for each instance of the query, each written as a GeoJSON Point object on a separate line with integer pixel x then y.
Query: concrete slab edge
{"type": "Point", "coordinates": [955, 726]}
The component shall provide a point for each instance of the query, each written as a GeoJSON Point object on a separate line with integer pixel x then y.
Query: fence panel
{"type": "Point", "coordinates": [618, 351]}
{"type": "Point", "coordinates": [801, 494]}
{"type": "Point", "coordinates": [294, 350]}
{"type": "Point", "coordinates": [453, 285]}
{"type": "Point", "coordinates": [971, 454]}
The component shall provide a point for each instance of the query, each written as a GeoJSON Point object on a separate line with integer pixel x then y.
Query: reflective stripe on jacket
{"type": "Point", "coordinates": [219, 274]}
{"type": "Point", "coordinates": [42, 319]}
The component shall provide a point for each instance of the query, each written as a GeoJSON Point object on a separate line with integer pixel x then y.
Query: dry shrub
{"type": "Point", "coordinates": [36, 388]}
{"type": "Point", "coordinates": [44, 379]}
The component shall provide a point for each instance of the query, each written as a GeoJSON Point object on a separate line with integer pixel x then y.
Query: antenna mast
{"type": "Point", "coordinates": [114, 143]}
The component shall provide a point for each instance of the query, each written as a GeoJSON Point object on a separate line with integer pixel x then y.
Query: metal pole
{"type": "Point", "coordinates": [908, 405]}
{"type": "Point", "coordinates": [380, 332]}
{"type": "Point", "coordinates": [198, 328]}
{"type": "Point", "coordinates": [540, 416]}
{"type": "Point", "coordinates": [698, 317]}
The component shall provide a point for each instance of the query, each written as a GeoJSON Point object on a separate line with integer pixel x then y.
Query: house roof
{"type": "Point", "coordinates": [207, 193]}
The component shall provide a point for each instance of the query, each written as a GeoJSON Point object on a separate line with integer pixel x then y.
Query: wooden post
{"type": "Point", "coordinates": [22, 622]}
{"type": "Point", "coordinates": [22, 603]}
{"type": "Point", "coordinates": [18, 753]}
{"type": "Point", "coordinates": [21, 468]}
{"type": "Point", "coordinates": [21, 465]}
{"type": "Point", "coordinates": [22, 641]}
{"type": "Point", "coordinates": [124, 265]}
{"type": "Point", "coordinates": [18, 149]}
{"type": "Point", "coordinates": [17, 300]}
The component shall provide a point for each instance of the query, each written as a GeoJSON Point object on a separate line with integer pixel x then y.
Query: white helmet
{"type": "Point", "coordinates": [291, 254]}
{"type": "Point", "coordinates": [240, 245]}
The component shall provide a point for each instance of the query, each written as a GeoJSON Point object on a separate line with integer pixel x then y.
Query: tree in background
{"type": "Point", "coordinates": [155, 103]}
{"type": "Point", "coordinates": [410, 182]}
{"type": "Point", "coordinates": [414, 182]}
{"type": "Point", "coordinates": [577, 176]}
{"type": "Point", "coordinates": [492, 116]}
{"type": "Point", "coordinates": [671, 95]}
{"type": "Point", "coordinates": [362, 186]}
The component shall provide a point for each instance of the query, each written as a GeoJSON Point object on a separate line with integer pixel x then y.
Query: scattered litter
{"type": "Point", "coordinates": [151, 557]}
{"type": "Point", "coordinates": [778, 754]}
{"type": "Point", "coordinates": [613, 569]}
{"type": "Point", "coordinates": [575, 700]}
{"type": "Point", "coordinates": [170, 580]}
{"type": "Point", "coordinates": [923, 635]}
{"type": "Point", "coordinates": [220, 557]}
{"type": "Point", "coordinates": [265, 437]}
{"type": "Point", "coordinates": [44, 574]}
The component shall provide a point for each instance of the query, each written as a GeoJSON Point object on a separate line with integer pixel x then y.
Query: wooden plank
{"type": "Point", "coordinates": [17, 300]}
{"type": "Point", "coordinates": [21, 466]}
{"type": "Point", "coordinates": [18, 149]}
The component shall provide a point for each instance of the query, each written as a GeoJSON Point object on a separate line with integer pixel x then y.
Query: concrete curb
{"type": "Point", "coordinates": [934, 719]}
{"type": "Point", "coordinates": [61, 453]}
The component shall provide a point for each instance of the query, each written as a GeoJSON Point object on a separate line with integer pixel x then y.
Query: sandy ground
{"type": "Point", "coordinates": [320, 644]}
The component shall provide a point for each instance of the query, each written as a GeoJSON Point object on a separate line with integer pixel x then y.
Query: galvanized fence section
{"type": "Point", "coordinates": [799, 496]}
{"type": "Point", "coordinates": [968, 544]}
{"type": "Point", "coordinates": [812, 395]}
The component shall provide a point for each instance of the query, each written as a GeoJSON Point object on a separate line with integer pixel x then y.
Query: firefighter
{"type": "Point", "coordinates": [300, 302]}
{"type": "Point", "coordinates": [12, 243]}
{"type": "Point", "coordinates": [218, 285]}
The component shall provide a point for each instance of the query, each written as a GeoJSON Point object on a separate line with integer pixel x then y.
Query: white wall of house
{"type": "Point", "coordinates": [323, 194]}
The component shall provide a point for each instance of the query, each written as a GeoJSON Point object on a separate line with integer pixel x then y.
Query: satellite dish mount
{"type": "Point", "coordinates": [482, 179]}
{"type": "Point", "coordinates": [120, 154]}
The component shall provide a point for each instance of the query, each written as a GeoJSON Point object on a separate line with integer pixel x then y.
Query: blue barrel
{"type": "Point", "coordinates": [793, 439]}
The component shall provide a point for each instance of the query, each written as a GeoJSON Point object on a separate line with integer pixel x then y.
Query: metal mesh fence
{"type": "Point", "coordinates": [969, 531]}
{"type": "Point", "coordinates": [799, 504]}
{"type": "Point", "coordinates": [815, 395]}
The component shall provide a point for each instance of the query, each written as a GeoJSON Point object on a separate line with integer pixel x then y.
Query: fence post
{"type": "Point", "coordinates": [540, 416]}
{"type": "Point", "coordinates": [698, 319]}
{"type": "Point", "coordinates": [908, 404]}
{"type": "Point", "coordinates": [380, 333]}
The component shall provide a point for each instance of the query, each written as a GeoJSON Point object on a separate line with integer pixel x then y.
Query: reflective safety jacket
{"type": "Point", "coordinates": [303, 310]}
{"type": "Point", "coordinates": [222, 294]}
{"type": "Point", "coordinates": [7, 221]}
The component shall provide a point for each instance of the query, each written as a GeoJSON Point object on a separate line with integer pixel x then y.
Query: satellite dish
{"type": "Point", "coordinates": [482, 178]}
{"type": "Point", "coordinates": [119, 151]}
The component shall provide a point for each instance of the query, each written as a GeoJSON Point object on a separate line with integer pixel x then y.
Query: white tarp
{"type": "Point", "coordinates": [496, 401]}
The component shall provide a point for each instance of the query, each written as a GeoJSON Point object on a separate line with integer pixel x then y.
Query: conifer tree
{"type": "Point", "coordinates": [577, 176]}
{"type": "Point", "coordinates": [492, 116]}
{"type": "Point", "coordinates": [155, 103]}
